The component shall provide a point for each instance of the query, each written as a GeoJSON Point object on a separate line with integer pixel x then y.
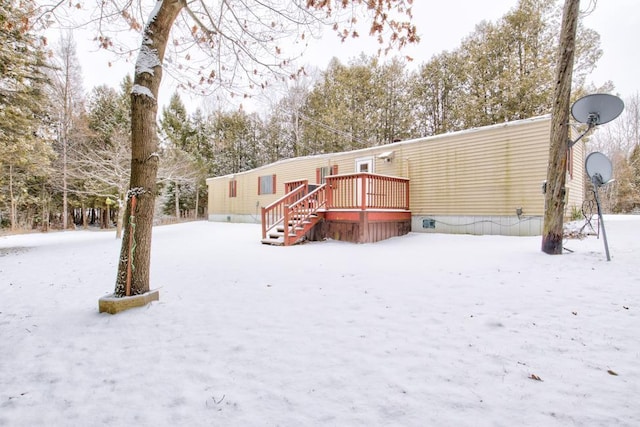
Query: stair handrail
{"type": "Point", "coordinates": [299, 212]}
{"type": "Point", "coordinates": [273, 214]}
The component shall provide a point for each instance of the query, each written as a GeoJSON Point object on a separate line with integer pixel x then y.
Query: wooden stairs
{"type": "Point", "coordinates": [288, 220]}
{"type": "Point", "coordinates": [297, 232]}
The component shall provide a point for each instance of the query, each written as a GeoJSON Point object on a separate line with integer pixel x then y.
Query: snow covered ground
{"type": "Point", "coordinates": [420, 330]}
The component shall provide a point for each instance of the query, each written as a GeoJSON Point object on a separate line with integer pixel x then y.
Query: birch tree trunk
{"type": "Point", "coordinates": [176, 190]}
{"type": "Point", "coordinates": [65, 201]}
{"type": "Point", "coordinates": [144, 145]}
{"type": "Point", "coordinates": [197, 200]}
{"type": "Point", "coordinates": [121, 204]}
{"type": "Point", "coordinates": [45, 208]}
{"type": "Point", "coordinates": [552, 232]}
{"type": "Point", "coordinates": [13, 210]}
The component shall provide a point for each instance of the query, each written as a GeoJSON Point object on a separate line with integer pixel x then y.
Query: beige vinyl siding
{"type": "Point", "coordinates": [488, 171]}
{"type": "Point", "coordinates": [575, 185]}
{"type": "Point", "coordinates": [481, 172]}
{"type": "Point", "coordinates": [248, 202]}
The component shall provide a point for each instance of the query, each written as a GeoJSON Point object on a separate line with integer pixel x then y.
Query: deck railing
{"type": "Point", "coordinates": [273, 214]}
{"type": "Point", "coordinates": [294, 208]}
{"type": "Point", "coordinates": [351, 191]}
{"type": "Point", "coordinates": [367, 191]}
{"type": "Point", "coordinates": [292, 185]}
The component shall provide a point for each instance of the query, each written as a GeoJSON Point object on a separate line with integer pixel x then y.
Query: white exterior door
{"type": "Point", "coordinates": [363, 165]}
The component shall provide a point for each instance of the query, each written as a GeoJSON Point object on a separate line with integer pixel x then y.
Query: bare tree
{"type": "Point", "coordinates": [105, 172]}
{"type": "Point", "coordinates": [619, 140]}
{"type": "Point", "coordinates": [178, 168]}
{"type": "Point", "coordinates": [68, 94]}
{"type": "Point", "coordinates": [623, 134]}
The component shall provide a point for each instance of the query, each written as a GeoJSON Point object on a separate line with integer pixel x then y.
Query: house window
{"type": "Point", "coordinates": [233, 188]}
{"type": "Point", "coordinates": [267, 184]}
{"type": "Point", "coordinates": [323, 172]}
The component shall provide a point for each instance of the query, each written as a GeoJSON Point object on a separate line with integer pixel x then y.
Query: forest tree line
{"type": "Point", "coordinates": [66, 153]}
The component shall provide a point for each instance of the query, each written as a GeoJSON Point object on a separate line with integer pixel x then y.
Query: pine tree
{"type": "Point", "coordinates": [436, 96]}
{"type": "Point", "coordinates": [25, 135]}
{"type": "Point", "coordinates": [175, 127]}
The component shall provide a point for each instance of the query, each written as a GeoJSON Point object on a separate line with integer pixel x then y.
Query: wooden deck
{"type": "Point", "coordinates": [359, 208]}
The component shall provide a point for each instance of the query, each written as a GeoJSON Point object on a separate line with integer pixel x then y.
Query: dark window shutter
{"type": "Point", "coordinates": [259, 187]}
{"type": "Point", "coordinates": [273, 188]}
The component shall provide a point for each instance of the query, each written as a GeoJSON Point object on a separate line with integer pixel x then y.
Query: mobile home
{"type": "Point", "coordinates": [479, 181]}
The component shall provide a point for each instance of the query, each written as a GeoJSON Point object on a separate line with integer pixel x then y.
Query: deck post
{"type": "Point", "coordinates": [364, 226]}
{"type": "Point", "coordinates": [363, 192]}
{"type": "Point", "coordinates": [406, 198]}
{"type": "Point", "coordinates": [286, 225]}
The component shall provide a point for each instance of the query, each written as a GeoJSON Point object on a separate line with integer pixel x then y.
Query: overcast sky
{"type": "Point", "coordinates": [442, 25]}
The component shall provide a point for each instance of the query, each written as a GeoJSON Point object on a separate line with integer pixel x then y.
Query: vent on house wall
{"type": "Point", "coordinates": [428, 223]}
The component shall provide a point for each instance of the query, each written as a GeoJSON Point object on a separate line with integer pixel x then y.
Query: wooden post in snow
{"type": "Point", "coordinates": [552, 232]}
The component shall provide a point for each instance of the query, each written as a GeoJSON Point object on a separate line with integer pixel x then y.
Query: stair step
{"type": "Point", "coordinates": [298, 225]}
{"type": "Point", "coordinates": [273, 242]}
{"type": "Point", "coordinates": [305, 222]}
{"type": "Point", "coordinates": [278, 234]}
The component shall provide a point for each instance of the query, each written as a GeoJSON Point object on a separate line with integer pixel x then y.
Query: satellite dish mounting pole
{"type": "Point", "coordinates": [571, 143]}
{"type": "Point", "coordinates": [595, 178]}
{"type": "Point", "coordinates": [600, 171]}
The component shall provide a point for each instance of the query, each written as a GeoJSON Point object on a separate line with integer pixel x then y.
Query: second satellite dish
{"type": "Point", "coordinates": [599, 166]}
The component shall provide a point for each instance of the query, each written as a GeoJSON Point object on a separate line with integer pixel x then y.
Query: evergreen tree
{"type": "Point", "coordinates": [236, 143]}
{"type": "Point", "coordinates": [392, 105]}
{"type": "Point", "coordinates": [25, 132]}
{"type": "Point", "coordinates": [435, 95]}
{"type": "Point", "coordinates": [283, 124]}
{"type": "Point", "coordinates": [502, 71]}
{"type": "Point", "coordinates": [184, 157]}
{"type": "Point", "coordinates": [362, 104]}
{"type": "Point", "coordinates": [175, 126]}
{"type": "Point", "coordinates": [200, 140]}
{"type": "Point", "coordinates": [509, 65]}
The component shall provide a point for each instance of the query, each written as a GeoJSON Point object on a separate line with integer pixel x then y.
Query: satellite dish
{"type": "Point", "coordinates": [599, 168]}
{"type": "Point", "coordinates": [597, 108]}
